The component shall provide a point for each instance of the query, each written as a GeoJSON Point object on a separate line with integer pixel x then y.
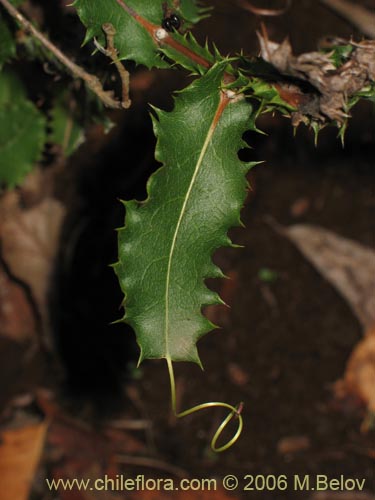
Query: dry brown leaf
{"type": "Point", "coordinates": [20, 452]}
{"type": "Point", "coordinates": [359, 378]}
{"type": "Point", "coordinates": [17, 318]}
{"type": "Point", "coordinates": [334, 85]}
{"type": "Point", "coordinates": [293, 444]}
{"type": "Point", "coordinates": [78, 445]}
{"type": "Point", "coordinates": [257, 11]}
{"type": "Point", "coordinates": [299, 207]}
{"type": "Point", "coordinates": [346, 264]}
{"type": "Point", "coordinates": [180, 495]}
{"type": "Point", "coordinates": [342, 496]}
{"type": "Point", "coordinates": [29, 239]}
{"type": "Point", "coordinates": [350, 268]}
{"type": "Point", "coordinates": [356, 14]}
{"type": "Point", "coordinates": [237, 375]}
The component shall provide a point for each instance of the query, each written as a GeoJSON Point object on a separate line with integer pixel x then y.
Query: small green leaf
{"type": "Point", "coordinates": [340, 54]}
{"type": "Point", "coordinates": [22, 131]}
{"type": "Point", "coordinates": [66, 131]}
{"type": "Point", "coordinates": [267, 94]}
{"type": "Point", "coordinates": [22, 136]}
{"type": "Point", "coordinates": [166, 246]}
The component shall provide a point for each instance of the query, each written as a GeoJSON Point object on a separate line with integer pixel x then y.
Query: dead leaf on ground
{"type": "Point", "coordinates": [77, 449]}
{"type": "Point", "coordinates": [237, 375]}
{"type": "Point", "coordinates": [180, 495]}
{"type": "Point", "coordinates": [356, 14]}
{"type": "Point", "coordinates": [359, 378]}
{"type": "Point", "coordinates": [350, 268]}
{"type": "Point", "coordinates": [29, 240]}
{"type": "Point", "coordinates": [293, 444]}
{"type": "Point", "coordinates": [346, 264]}
{"type": "Point", "coordinates": [20, 452]}
{"type": "Point", "coordinates": [342, 496]}
{"type": "Point", "coordinates": [17, 318]}
{"type": "Point", "coordinates": [299, 207]}
{"type": "Point", "coordinates": [79, 446]}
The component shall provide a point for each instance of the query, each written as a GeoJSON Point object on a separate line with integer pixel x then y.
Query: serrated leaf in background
{"type": "Point", "coordinates": [166, 246]}
{"type": "Point", "coordinates": [132, 39]}
{"type": "Point", "coordinates": [66, 131]}
{"type": "Point", "coordinates": [22, 131]}
{"type": "Point", "coordinates": [11, 88]}
{"type": "Point", "coordinates": [7, 42]}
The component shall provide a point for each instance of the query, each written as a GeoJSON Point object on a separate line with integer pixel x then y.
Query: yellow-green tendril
{"type": "Point", "coordinates": [235, 412]}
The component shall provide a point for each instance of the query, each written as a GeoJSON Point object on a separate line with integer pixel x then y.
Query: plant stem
{"type": "Point", "coordinates": [235, 412]}
{"type": "Point", "coordinates": [92, 81]}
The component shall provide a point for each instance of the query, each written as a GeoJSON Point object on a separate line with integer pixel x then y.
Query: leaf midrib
{"type": "Point", "coordinates": [174, 239]}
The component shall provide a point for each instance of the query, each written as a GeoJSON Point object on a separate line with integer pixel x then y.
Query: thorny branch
{"type": "Point", "coordinates": [330, 86]}
{"type": "Point", "coordinates": [92, 81]}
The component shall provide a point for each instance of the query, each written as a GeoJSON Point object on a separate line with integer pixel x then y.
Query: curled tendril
{"type": "Point", "coordinates": [235, 412]}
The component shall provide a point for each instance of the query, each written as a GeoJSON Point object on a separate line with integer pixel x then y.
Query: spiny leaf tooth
{"type": "Point", "coordinates": [193, 357]}
{"type": "Point", "coordinates": [209, 297]}
{"type": "Point", "coordinates": [244, 145]}
{"type": "Point", "coordinates": [117, 321]}
{"type": "Point", "coordinates": [241, 223]}
{"type": "Point", "coordinates": [224, 241]}
{"type": "Point", "coordinates": [214, 271]}
{"type": "Point", "coordinates": [208, 326]}
{"type": "Point", "coordinates": [89, 35]}
{"type": "Point", "coordinates": [216, 51]}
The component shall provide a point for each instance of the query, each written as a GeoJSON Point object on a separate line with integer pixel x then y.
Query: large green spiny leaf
{"type": "Point", "coordinates": [166, 246]}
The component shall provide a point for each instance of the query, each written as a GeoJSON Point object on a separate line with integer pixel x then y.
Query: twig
{"type": "Point", "coordinates": [130, 425]}
{"type": "Point", "coordinates": [151, 463]}
{"type": "Point", "coordinates": [112, 53]}
{"type": "Point", "coordinates": [258, 11]}
{"type": "Point", "coordinates": [358, 16]}
{"type": "Point", "coordinates": [92, 81]}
